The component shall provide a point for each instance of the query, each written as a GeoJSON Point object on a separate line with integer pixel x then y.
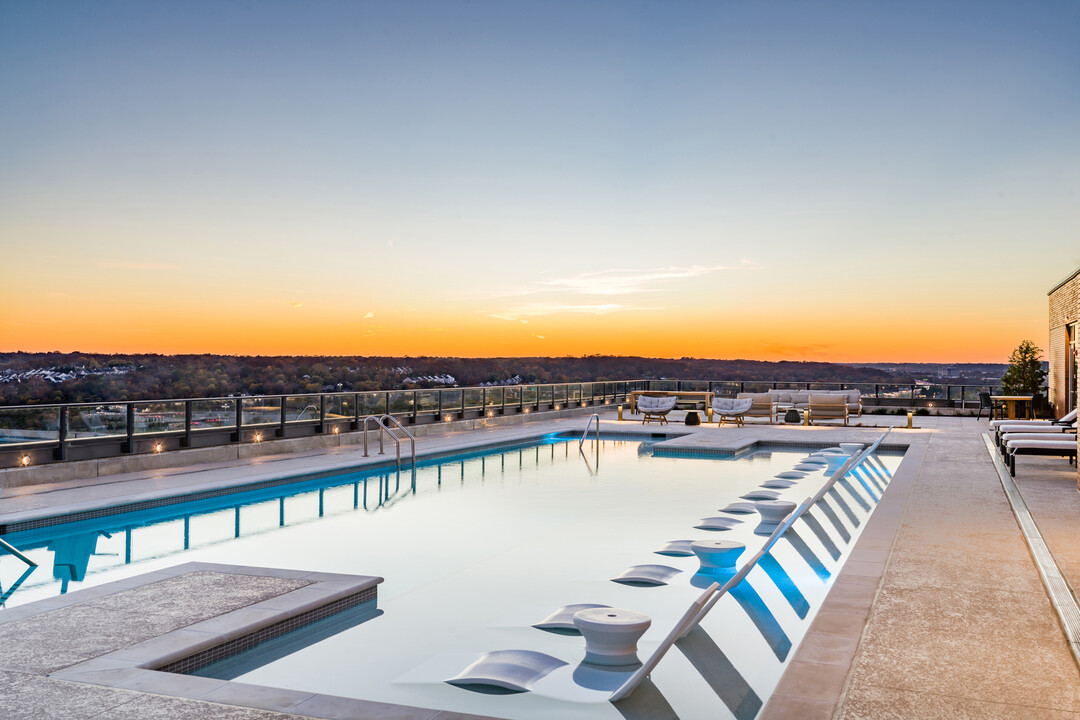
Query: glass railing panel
{"type": "Point", "coordinates": [372, 403]}
{"type": "Point", "coordinates": [494, 396]}
{"type": "Point", "coordinates": [427, 402]}
{"type": "Point", "coordinates": [560, 394]}
{"type": "Point", "coordinates": [97, 421]}
{"type": "Point", "coordinates": [894, 392]}
{"type": "Point", "coordinates": [529, 394]}
{"type": "Point", "coordinates": [756, 387]}
{"type": "Point", "coordinates": [574, 394]}
{"type": "Point", "coordinates": [301, 408]}
{"type": "Point", "coordinates": [212, 414]}
{"type": "Point", "coordinates": [340, 407]}
{"type": "Point", "coordinates": [818, 386]}
{"type": "Point", "coordinates": [725, 389]}
{"type": "Point", "coordinates": [695, 385]}
{"type": "Point", "coordinates": [474, 398]}
{"type": "Point", "coordinates": [512, 395]}
{"type": "Point", "coordinates": [547, 394]}
{"type": "Point", "coordinates": [28, 425]}
{"type": "Point", "coordinates": [401, 402]}
{"type": "Point", "coordinates": [159, 417]}
{"type": "Point", "coordinates": [451, 400]}
{"type": "Point", "coordinates": [664, 385]}
{"type": "Point", "coordinates": [261, 410]}
{"type": "Point", "coordinates": [930, 392]}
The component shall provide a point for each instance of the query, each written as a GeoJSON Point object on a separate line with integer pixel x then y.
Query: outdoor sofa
{"type": "Point", "coordinates": [781, 401]}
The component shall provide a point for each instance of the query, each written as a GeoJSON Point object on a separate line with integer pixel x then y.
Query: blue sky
{"type": "Point", "coordinates": [369, 178]}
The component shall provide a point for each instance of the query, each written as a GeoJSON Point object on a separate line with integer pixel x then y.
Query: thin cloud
{"type": "Point", "coordinates": [511, 318]}
{"type": "Point", "coordinates": [369, 315]}
{"type": "Point", "coordinates": [297, 305]}
{"type": "Point", "coordinates": [540, 309]}
{"type": "Point", "coordinates": [623, 282]}
{"type": "Point", "coordinates": [136, 266]}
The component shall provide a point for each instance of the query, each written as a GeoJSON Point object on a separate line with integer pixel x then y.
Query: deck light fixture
{"type": "Point", "coordinates": [25, 460]}
{"type": "Point", "coordinates": [258, 437]}
{"type": "Point", "coordinates": [336, 430]}
{"type": "Point", "coordinates": [448, 418]}
{"type": "Point", "coordinates": [909, 420]}
{"type": "Point", "coordinates": [158, 447]}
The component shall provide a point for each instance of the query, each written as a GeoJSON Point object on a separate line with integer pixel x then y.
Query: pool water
{"type": "Point", "coordinates": [479, 550]}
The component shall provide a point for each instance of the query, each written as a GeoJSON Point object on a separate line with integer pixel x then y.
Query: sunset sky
{"type": "Point", "coordinates": [842, 181]}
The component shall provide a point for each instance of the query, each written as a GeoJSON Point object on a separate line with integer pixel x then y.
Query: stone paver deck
{"type": "Point", "coordinates": [938, 613]}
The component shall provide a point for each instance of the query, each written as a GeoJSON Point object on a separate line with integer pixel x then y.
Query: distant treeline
{"type": "Point", "coordinates": [27, 378]}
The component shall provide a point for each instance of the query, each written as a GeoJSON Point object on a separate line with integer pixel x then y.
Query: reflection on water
{"type": "Point", "coordinates": [475, 550]}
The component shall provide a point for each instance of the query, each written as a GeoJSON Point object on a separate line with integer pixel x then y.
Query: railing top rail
{"type": "Point", "coordinates": [353, 393]}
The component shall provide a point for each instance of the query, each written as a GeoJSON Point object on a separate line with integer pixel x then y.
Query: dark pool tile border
{"type": "Point", "coordinates": [846, 608]}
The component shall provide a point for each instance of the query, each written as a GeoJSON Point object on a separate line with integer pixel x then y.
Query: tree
{"type": "Point", "coordinates": [1025, 375]}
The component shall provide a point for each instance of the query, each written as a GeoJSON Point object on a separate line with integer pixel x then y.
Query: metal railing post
{"type": "Point", "coordinates": [62, 433]}
{"type": "Point", "coordinates": [239, 419]}
{"type": "Point", "coordinates": [186, 440]}
{"type": "Point", "coordinates": [284, 418]}
{"type": "Point", "coordinates": [322, 414]}
{"type": "Point", "coordinates": [129, 446]}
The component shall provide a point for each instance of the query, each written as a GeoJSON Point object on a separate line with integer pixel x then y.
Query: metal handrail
{"type": "Point", "coordinates": [381, 423]}
{"type": "Point", "coordinates": [596, 417]}
{"type": "Point", "coordinates": [4, 544]}
{"type": "Point", "coordinates": [301, 413]}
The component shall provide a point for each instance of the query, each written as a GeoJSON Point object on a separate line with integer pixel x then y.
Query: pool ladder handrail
{"type": "Point", "coordinates": [5, 545]}
{"type": "Point", "coordinates": [596, 417]}
{"type": "Point", "coordinates": [381, 421]}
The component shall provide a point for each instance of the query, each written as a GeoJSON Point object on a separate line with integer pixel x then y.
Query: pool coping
{"type": "Point", "coordinates": [142, 666]}
{"type": "Point", "coordinates": [814, 680]}
{"type": "Point", "coordinates": [810, 686]}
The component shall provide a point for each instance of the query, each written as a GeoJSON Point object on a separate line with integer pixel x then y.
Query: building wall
{"type": "Point", "coordinates": [1064, 309]}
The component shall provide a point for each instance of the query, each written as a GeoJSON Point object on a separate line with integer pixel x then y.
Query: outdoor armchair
{"type": "Point", "coordinates": [828, 407]}
{"type": "Point", "coordinates": [731, 409]}
{"type": "Point", "coordinates": [762, 406]}
{"type": "Point", "coordinates": [656, 408]}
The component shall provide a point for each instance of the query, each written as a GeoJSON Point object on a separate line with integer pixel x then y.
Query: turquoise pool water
{"type": "Point", "coordinates": [482, 548]}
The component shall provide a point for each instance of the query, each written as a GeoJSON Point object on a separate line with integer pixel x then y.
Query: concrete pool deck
{"type": "Point", "coordinates": [939, 612]}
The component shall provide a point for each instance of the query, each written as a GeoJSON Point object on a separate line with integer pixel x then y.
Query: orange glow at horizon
{"type": "Point", "coordinates": [858, 335]}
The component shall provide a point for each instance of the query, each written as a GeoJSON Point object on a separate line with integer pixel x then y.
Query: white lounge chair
{"type": "Point", "coordinates": [1040, 446]}
{"type": "Point", "coordinates": [1069, 419]}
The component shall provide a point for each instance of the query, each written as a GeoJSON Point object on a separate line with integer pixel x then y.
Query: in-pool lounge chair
{"type": "Point", "coordinates": [733, 409]}
{"type": "Point", "coordinates": [828, 407]}
{"type": "Point", "coordinates": [656, 408]}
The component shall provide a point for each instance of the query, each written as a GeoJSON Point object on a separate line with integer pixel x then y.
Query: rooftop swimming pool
{"type": "Point", "coordinates": [481, 547]}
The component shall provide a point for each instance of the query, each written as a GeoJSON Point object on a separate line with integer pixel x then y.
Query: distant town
{"type": "Point", "coordinates": [33, 378]}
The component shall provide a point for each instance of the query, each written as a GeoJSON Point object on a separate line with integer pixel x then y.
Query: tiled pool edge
{"type": "Point", "coordinates": [138, 666]}
{"type": "Point", "coordinates": [814, 681]}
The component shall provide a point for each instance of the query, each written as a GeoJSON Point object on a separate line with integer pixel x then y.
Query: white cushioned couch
{"type": "Point", "coordinates": [800, 399]}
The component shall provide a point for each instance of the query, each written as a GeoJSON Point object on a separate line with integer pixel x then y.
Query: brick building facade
{"type": "Point", "coordinates": [1062, 352]}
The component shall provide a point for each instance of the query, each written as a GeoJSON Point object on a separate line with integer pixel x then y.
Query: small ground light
{"type": "Point", "coordinates": [448, 418]}
{"type": "Point", "coordinates": [258, 437]}
{"type": "Point", "coordinates": [556, 407]}
{"type": "Point", "coordinates": [158, 447]}
{"type": "Point", "coordinates": [526, 410]}
{"type": "Point", "coordinates": [336, 430]}
{"type": "Point", "coordinates": [491, 413]}
{"type": "Point", "coordinates": [25, 460]}
{"type": "Point", "coordinates": [582, 404]}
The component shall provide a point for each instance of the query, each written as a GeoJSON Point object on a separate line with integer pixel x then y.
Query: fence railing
{"type": "Point", "coordinates": [35, 434]}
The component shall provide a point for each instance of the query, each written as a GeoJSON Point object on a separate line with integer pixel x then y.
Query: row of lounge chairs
{"type": "Point", "coordinates": [1055, 438]}
{"type": "Point", "coordinates": [823, 405]}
